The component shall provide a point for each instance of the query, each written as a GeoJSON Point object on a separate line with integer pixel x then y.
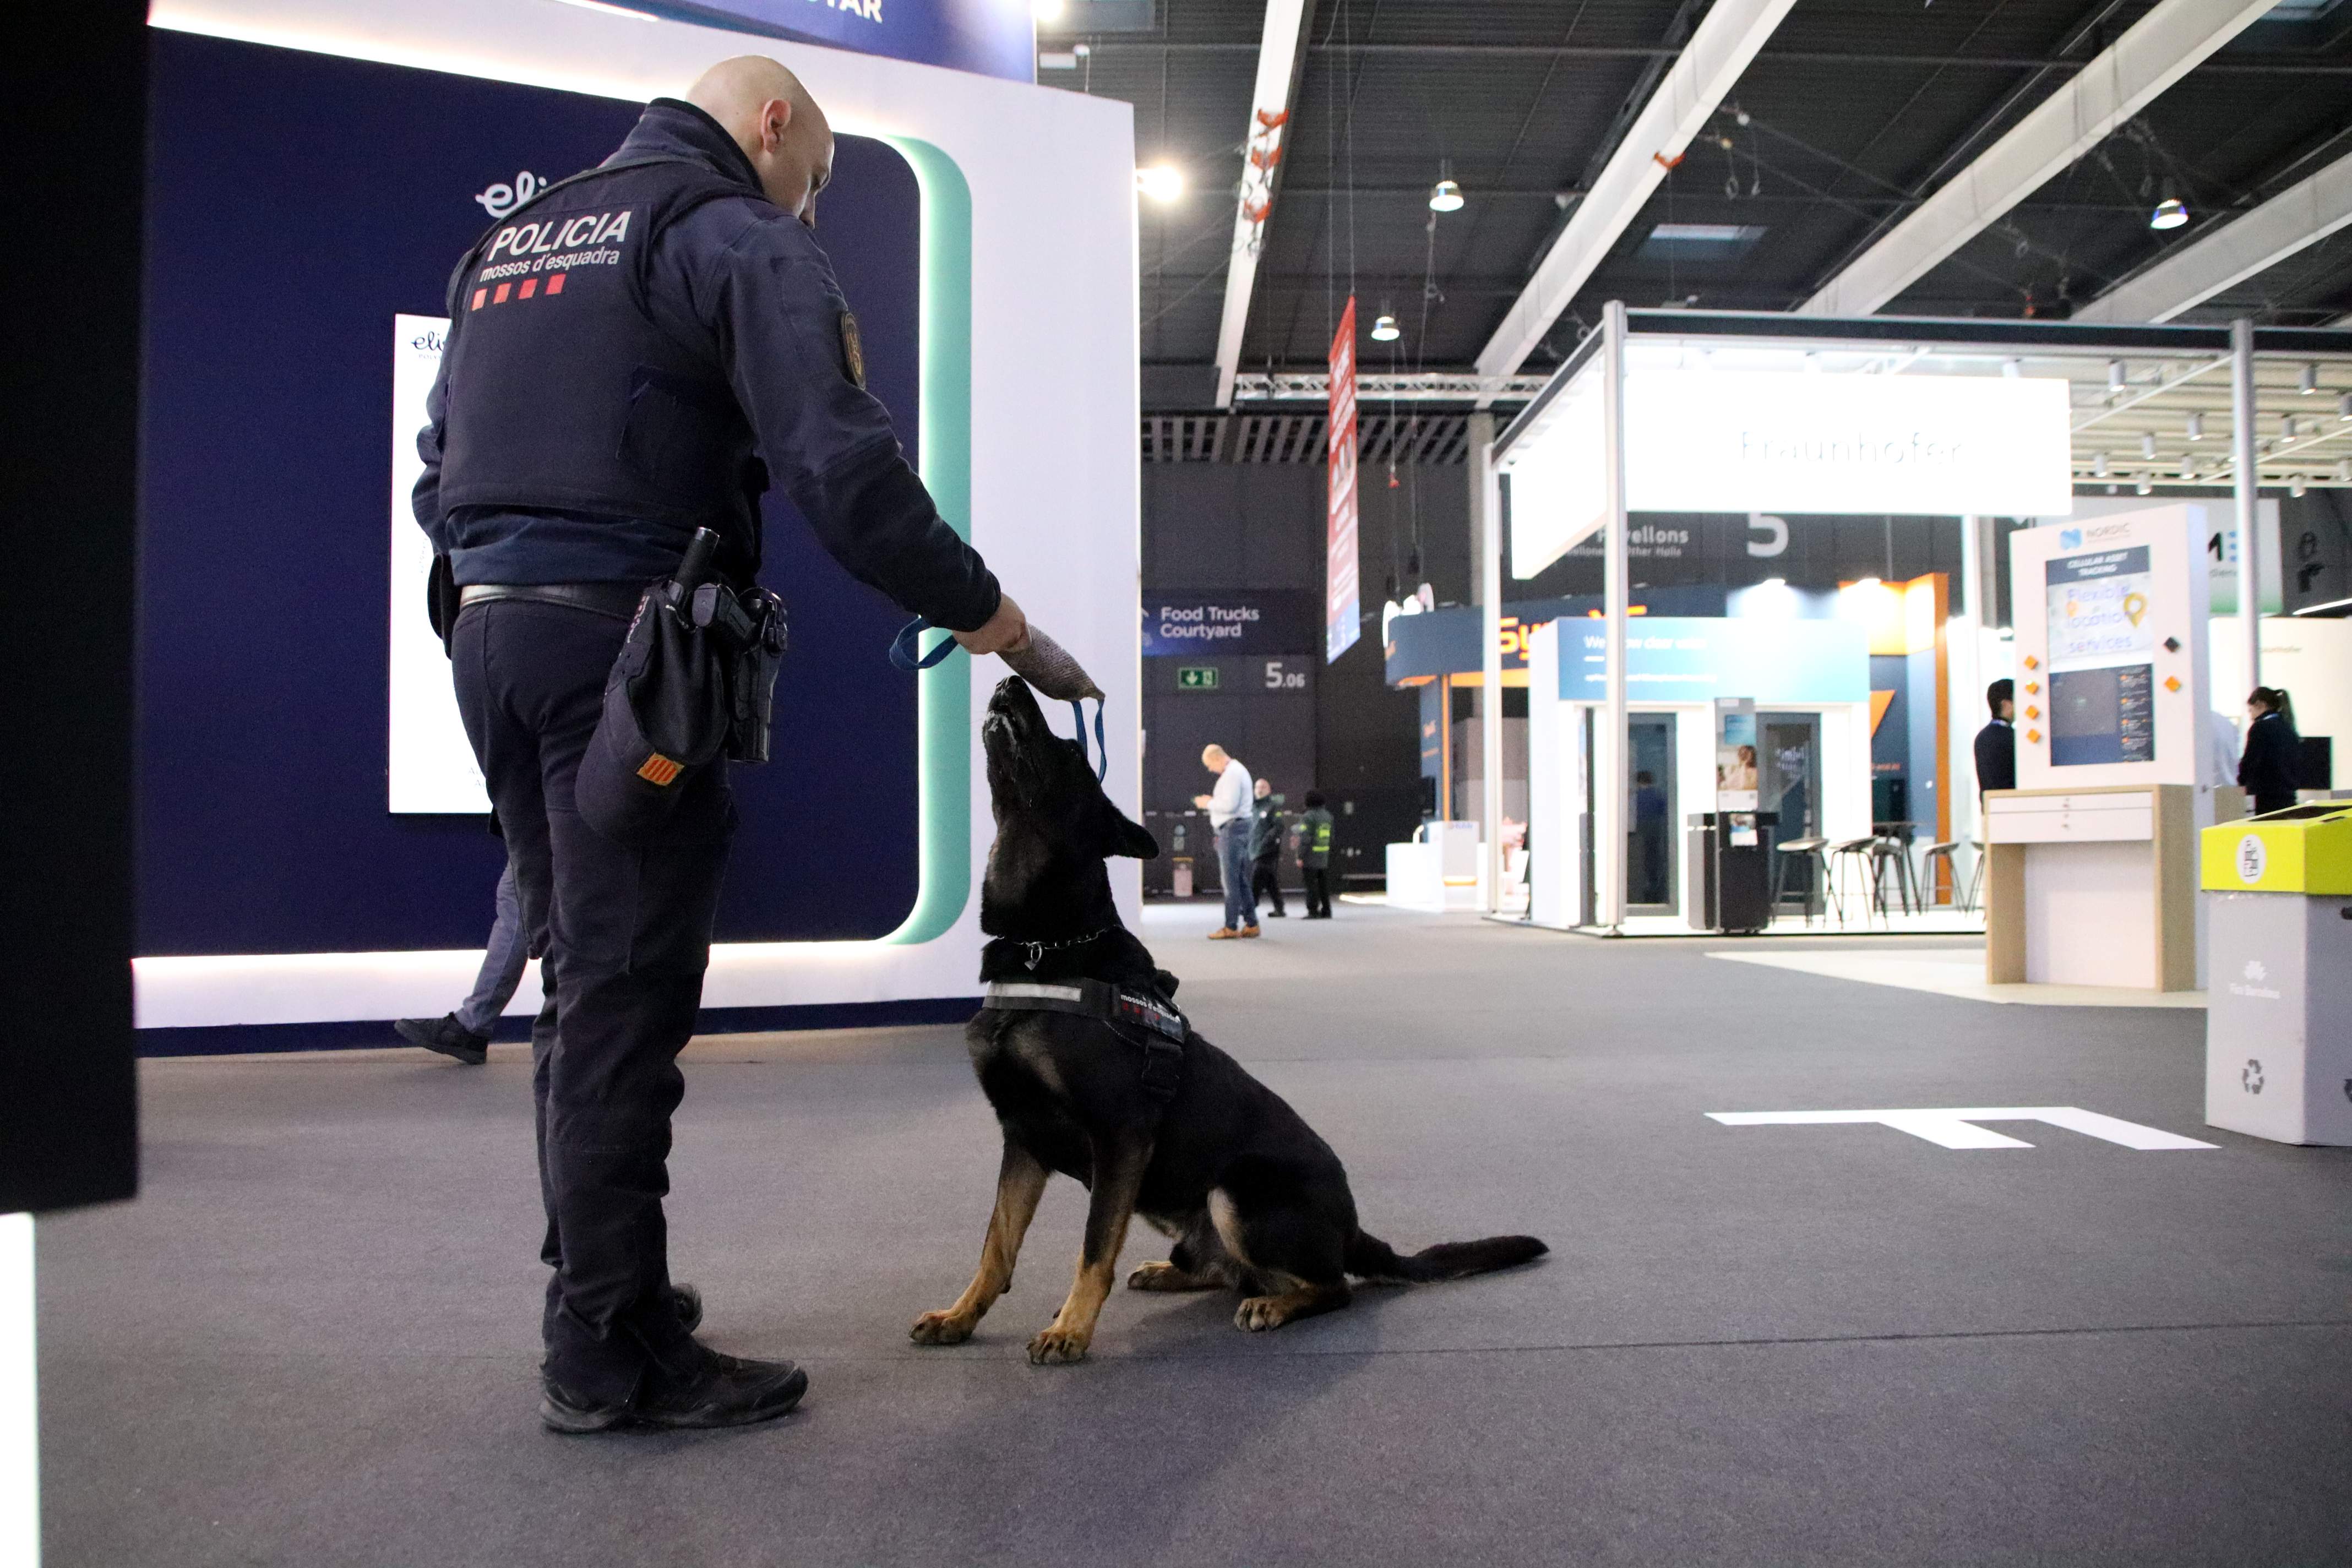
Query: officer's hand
{"type": "Point", "coordinates": [1007, 631]}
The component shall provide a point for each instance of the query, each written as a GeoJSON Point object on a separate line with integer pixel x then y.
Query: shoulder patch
{"type": "Point", "coordinates": [853, 353]}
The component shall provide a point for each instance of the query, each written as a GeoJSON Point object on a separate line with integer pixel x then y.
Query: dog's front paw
{"type": "Point", "coordinates": [940, 1329]}
{"type": "Point", "coordinates": [1262, 1312]}
{"type": "Point", "coordinates": [1057, 1346]}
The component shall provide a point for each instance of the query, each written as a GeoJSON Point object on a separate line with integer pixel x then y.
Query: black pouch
{"type": "Point", "coordinates": [668, 713]}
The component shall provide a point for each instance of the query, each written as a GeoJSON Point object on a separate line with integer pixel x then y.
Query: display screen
{"type": "Point", "coordinates": [2102, 688]}
{"type": "Point", "coordinates": [2102, 715]}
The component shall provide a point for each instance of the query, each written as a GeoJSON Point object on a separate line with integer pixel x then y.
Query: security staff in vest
{"type": "Point", "coordinates": [633, 356]}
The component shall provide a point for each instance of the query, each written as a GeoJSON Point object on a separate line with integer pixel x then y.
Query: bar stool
{"type": "Point", "coordinates": [1975, 875]}
{"type": "Point", "coordinates": [1853, 854]}
{"type": "Point", "coordinates": [1889, 852]}
{"type": "Point", "coordinates": [1943, 852]}
{"type": "Point", "coordinates": [1788, 851]}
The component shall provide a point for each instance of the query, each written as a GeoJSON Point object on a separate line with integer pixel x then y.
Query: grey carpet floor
{"type": "Point", "coordinates": [312, 1339]}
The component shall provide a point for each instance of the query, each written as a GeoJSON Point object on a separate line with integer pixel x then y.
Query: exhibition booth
{"type": "Point", "coordinates": [315, 852]}
{"type": "Point", "coordinates": [1653, 741]}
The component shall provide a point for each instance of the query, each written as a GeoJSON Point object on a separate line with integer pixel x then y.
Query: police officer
{"type": "Point", "coordinates": [634, 354]}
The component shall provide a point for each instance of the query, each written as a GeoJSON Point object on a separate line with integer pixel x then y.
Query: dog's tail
{"type": "Point", "coordinates": [1369, 1258]}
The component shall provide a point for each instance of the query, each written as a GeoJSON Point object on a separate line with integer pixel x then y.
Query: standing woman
{"type": "Point", "coordinates": [2273, 761]}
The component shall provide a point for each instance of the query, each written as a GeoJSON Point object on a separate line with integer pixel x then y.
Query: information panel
{"type": "Point", "coordinates": [2111, 622]}
{"type": "Point", "coordinates": [2101, 684]}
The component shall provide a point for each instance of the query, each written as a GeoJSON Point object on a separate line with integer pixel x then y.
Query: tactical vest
{"type": "Point", "coordinates": [563, 393]}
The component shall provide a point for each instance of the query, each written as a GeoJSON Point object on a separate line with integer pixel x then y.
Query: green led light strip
{"type": "Point", "coordinates": [943, 693]}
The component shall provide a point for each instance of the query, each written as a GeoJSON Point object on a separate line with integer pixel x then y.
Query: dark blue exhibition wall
{"type": "Point", "coordinates": [297, 203]}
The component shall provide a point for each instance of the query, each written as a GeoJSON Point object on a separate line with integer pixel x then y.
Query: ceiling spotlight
{"type": "Point", "coordinates": [2145, 486]}
{"type": "Point", "coordinates": [2168, 214]}
{"type": "Point", "coordinates": [2286, 427]}
{"type": "Point", "coordinates": [2310, 383]}
{"type": "Point", "coordinates": [2188, 470]}
{"type": "Point", "coordinates": [1445, 196]}
{"type": "Point", "coordinates": [2294, 485]}
{"type": "Point", "coordinates": [1046, 10]}
{"type": "Point", "coordinates": [2115, 375]}
{"type": "Point", "coordinates": [2343, 472]}
{"type": "Point", "coordinates": [1163, 183]}
{"type": "Point", "coordinates": [1384, 329]}
{"type": "Point", "coordinates": [2147, 443]}
{"type": "Point", "coordinates": [2344, 407]}
{"type": "Point", "coordinates": [2197, 424]}
{"type": "Point", "coordinates": [2099, 466]}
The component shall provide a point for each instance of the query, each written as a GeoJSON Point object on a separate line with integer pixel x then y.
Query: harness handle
{"type": "Point", "coordinates": [904, 654]}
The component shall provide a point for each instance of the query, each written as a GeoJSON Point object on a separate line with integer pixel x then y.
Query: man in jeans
{"type": "Point", "coordinates": [1230, 814]}
{"type": "Point", "coordinates": [466, 1033]}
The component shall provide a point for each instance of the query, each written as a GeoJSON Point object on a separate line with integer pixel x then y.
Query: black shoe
{"type": "Point", "coordinates": [689, 1301]}
{"type": "Point", "coordinates": [1279, 914]}
{"type": "Point", "coordinates": [727, 1392]}
{"type": "Point", "coordinates": [447, 1035]}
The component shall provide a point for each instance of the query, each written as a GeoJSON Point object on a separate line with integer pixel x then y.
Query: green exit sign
{"type": "Point", "coordinates": [1197, 677]}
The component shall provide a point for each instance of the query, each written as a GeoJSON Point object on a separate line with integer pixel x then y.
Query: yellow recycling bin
{"type": "Point", "coordinates": [2278, 1014]}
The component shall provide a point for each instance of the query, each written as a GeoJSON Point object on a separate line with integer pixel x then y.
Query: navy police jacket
{"type": "Point", "coordinates": [641, 351]}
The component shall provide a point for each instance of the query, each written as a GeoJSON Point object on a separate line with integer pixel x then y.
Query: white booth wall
{"type": "Point", "coordinates": [1054, 487]}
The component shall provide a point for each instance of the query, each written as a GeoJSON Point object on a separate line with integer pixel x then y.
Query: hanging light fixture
{"type": "Point", "coordinates": [2188, 470]}
{"type": "Point", "coordinates": [1164, 182]}
{"type": "Point", "coordinates": [2168, 214]}
{"type": "Point", "coordinates": [2115, 375]}
{"type": "Point", "coordinates": [2343, 472]}
{"type": "Point", "coordinates": [2196, 426]}
{"type": "Point", "coordinates": [2310, 383]}
{"type": "Point", "coordinates": [2344, 407]}
{"type": "Point", "coordinates": [1445, 196]}
{"type": "Point", "coordinates": [1384, 329]}
{"type": "Point", "coordinates": [2099, 466]}
{"type": "Point", "coordinates": [2286, 427]}
{"type": "Point", "coordinates": [2147, 443]}
{"type": "Point", "coordinates": [2294, 485]}
{"type": "Point", "coordinates": [2146, 486]}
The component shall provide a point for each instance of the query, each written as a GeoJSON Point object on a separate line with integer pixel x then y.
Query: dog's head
{"type": "Point", "coordinates": [1055, 826]}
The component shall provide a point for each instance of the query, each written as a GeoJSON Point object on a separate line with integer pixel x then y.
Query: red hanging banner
{"type": "Point", "coordinates": [1342, 598]}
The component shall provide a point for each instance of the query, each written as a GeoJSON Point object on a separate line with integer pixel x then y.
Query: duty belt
{"type": "Point", "coordinates": [1136, 1016]}
{"type": "Point", "coordinates": [616, 601]}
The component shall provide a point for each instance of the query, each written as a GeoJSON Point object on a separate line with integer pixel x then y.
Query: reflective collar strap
{"type": "Point", "coordinates": [1095, 999]}
{"type": "Point", "coordinates": [1013, 989]}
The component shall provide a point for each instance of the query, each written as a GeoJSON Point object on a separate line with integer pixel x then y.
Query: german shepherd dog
{"type": "Point", "coordinates": [1253, 1198]}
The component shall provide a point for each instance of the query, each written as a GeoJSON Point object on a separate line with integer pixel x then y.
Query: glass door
{"type": "Point", "coordinates": [1789, 782]}
{"type": "Point", "coordinates": [1650, 837]}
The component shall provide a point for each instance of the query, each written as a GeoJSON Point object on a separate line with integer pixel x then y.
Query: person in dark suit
{"type": "Point", "coordinates": [2271, 766]}
{"type": "Point", "coordinates": [1997, 741]}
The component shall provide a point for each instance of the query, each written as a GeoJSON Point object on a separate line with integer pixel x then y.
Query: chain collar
{"type": "Point", "coordinates": [1038, 950]}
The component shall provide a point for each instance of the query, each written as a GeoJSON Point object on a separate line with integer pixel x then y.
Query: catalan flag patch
{"type": "Point", "coordinates": [659, 770]}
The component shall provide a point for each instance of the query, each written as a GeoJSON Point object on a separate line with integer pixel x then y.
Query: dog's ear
{"type": "Point", "coordinates": [1128, 838]}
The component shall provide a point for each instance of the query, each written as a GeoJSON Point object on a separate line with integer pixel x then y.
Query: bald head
{"type": "Point", "coordinates": [1215, 758]}
{"type": "Point", "coordinates": [779, 126]}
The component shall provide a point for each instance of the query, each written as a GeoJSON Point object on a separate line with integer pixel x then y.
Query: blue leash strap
{"type": "Point", "coordinates": [904, 654]}
{"type": "Point", "coordinates": [904, 645]}
{"type": "Point", "coordinates": [1078, 718]}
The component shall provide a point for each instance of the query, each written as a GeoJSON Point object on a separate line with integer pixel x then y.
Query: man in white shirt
{"type": "Point", "coordinates": [1229, 808]}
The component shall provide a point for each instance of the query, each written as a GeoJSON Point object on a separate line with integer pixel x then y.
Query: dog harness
{"type": "Point", "coordinates": [1139, 1017]}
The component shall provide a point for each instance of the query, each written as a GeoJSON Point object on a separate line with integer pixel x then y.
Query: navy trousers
{"type": "Point", "coordinates": [625, 936]}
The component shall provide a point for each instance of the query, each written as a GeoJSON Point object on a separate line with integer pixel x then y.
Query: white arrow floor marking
{"type": "Point", "coordinates": [1955, 1129]}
